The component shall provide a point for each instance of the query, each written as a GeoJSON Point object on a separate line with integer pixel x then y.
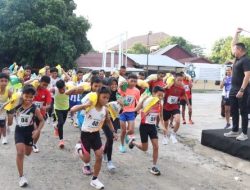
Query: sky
{"type": "Point", "coordinates": [201, 22]}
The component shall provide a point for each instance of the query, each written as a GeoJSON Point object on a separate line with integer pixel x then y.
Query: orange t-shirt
{"type": "Point", "coordinates": [132, 96]}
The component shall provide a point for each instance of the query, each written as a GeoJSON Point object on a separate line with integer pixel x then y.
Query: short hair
{"type": "Point", "coordinates": [157, 89]}
{"type": "Point", "coordinates": [132, 76]}
{"type": "Point", "coordinates": [4, 76]}
{"type": "Point", "coordinates": [123, 67]}
{"type": "Point", "coordinates": [102, 70]}
{"type": "Point", "coordinates": [241, 46]}
{"type": "Point", "coordinates": [60, 84]}
{"type": "Point", "coordinates": [95, 72]}
{"type": "Point", "coordinates": [95, 79]}
{"type": "Point", "coordinates": [178, 75]}
{"type": "Point", "coordinates": [142, 74]}
{"type": "Point", "coordinates": [29, 89]}
{"type": "Point", "coordinates": [27, 67]}
{"type": "Point", "coordinates": [54, 70]}
{"type": "Point", "coordinates": [79, 71]}
{"type": "Point", "coordinates": [45, 79]}
{"type": "Point", "coordinates": [112, 79]}
{"type": "Point", "coordinates": [104, 90]}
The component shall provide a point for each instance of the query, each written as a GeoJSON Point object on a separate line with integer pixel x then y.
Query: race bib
{"type": "Point", "coordinates": [172, 100]}
{"type": "Point", "coordinates": [151, 118]}
{"type": "Point", "coordinates": [38, 104]}
{"type": "Point", "coordinates": [130, 99]}
{"type": "Point", "coordinates": [186, 87]}
{"type": "Point", "coordinates": [94, 123]}
{"type": "Point", "coordinates": [24, 120]}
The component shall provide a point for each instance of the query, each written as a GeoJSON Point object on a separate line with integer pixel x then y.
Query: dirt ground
{"type": "Point", "coordinates": [184, 166]}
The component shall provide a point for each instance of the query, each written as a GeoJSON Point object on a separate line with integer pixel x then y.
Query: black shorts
{"type": "Point", "coordinates": [226, 101]}
{"type": "Point", "coordinates": [91, 140]}
{"type": "Point", "coordinates": [24, 135]}
{"type": "Point", "coordinates": [2, 123]}
{"type": "Point", "coordinates": [168, 114]}
{"type": "Point", "coordinates": [184, 103]}
{"type": "Point", "coordinates": [147, 130]}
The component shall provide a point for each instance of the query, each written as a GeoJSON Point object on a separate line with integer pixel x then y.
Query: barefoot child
{"type": "Point", "coordinates": [90, 135]}
{"type": "Point", "coordinates": [148, 127]}
{"type": "Point", "coordinates": [25, 131]}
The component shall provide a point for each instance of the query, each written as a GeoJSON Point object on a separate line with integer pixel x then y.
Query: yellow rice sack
{"type": "Point", "coordinates": [20, 73]}
{"type": "Point", "coordinates": [87, 77]}
{"type": "Point", "coordinates": [149, 103]}
{"type": "Point", "coordinates": [42, 71]}
{"type": "Point", "coordinates": [114, 109]}
{"type": "Point", "coordinates": [142, 83]}
{"type": "Point", "coordinates": [13, 102]}
{"type": "Point", "coordinates": [35, 83]}
{"type": "Point", "coordinates": [90, 97]}
{"type": "Point", "coordinates": [151, 77]}
{"type": "Point", "coordinates": [59, 68]}
{"type": "Point", "coordinates": [170, 81]}
{"type": "Point", "coordinates": [86, 86]}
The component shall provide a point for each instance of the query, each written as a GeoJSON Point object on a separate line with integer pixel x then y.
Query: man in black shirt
{"type": "Point", "coordinates": [239, 94]}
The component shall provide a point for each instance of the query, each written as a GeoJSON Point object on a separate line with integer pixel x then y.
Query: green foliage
{"type": "Point", "coordinates": [221, 50]}
{"type": "Point", "coordinates": [194, 49]}
{"type": "Point", "coordinates": [39, 32]}
{"type": "Point", "coordinates": [139, 49]}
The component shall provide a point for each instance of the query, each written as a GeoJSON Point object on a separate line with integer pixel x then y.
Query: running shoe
{"type": "Point", "coordinates": [4, 141]}
{"type": "Point", "coordinates": [227, 126]}
{"type": "Point", "coordinates": [155, 171]}
{"type": "Point", "coordinates": [122, 149]}
{"type": "Point", "coordinates": [184, 122]}
{"type": "Point", "coordinates": [130, 144]}
{"type": "Point", "coordinates": [242, 137]}
{"type": "Point", "coordinates": [61, 144]}
{"type": "Point", "coordinates": [231, 134]}
{"type": "Point", "coordinates": [165, 140]}
{"type": "Point", "coordinates": [96, 184]}
{"type": "Point", "coordinates": [23, 182]}
{"type": "Point", "coordinates": [86, 169]}
{"type": "Point", "coordinates": [110, 166]}
{"type": "Point", "coordinates": [35, 148]}
{"type": "Point", "coordinates": [173, 138]}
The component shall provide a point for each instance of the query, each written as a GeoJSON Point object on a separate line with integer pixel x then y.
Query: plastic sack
{"type": "Point", "coordinates": [151, 78]}
{"type": "Point", "coordinates": [114, 109]}
{"type": "Point", "coordinates": [86, 86]}
{"type": "Point", "coordinates": [87, 77]}
{"type": "Point", "coordinates": [33, 76]}
{"type": "Point", "coordinates": [74, 78]}
{"type": "Point", "coordinates": [122, 98]}
{"type": "Point", "coordinates": [145, 94]}
{"type": "Point", "coordinates": [20, 73]}
{"type": "Point", "coordinates": [167, 76]}
{"type": "Point", "coordinates": [70, 85]}
{"type": "Point", "coordinates": [14, 80]}
{"type": "Point", "coordinates": [12, 67]}
{"type": "Point", "coordinates": [142, 83]}
{"type": "Point", "coordinates": [170, 81]}
{"type": "Point", "coordinates": [13, 102]}
{"type": "Point", "coordinates": [59, 68]}
{"type": "Point", "coordinates": [149, 103]}
{"type": "Point", "coordinates": [122, 83]}
{"type": "Point", "coordinates": [35, 83]}
{"type": "Point", "coordinates": [42, 71]}
{"type": "Point", "coordinates": [90, 97]}
{"type": "Point", "coordinates": [115, 74]}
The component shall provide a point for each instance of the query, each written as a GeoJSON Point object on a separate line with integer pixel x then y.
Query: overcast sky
{"type": "Point", "coordinates": [201, 22]}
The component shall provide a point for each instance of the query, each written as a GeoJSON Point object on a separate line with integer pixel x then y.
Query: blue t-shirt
{"type": "Point", "coordinates": [227, 84]}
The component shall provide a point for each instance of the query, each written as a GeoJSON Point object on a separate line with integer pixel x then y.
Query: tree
{"type": "Point", "coordinates": [39, 32]}
{"type": "Point", "coordinates": [138, 48]}
{"type": "Point", "coordinates": [194, 49]}
{"type": "Point", "coordinates": [221, 50]}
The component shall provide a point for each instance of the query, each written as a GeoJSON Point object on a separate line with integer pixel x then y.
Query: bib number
{"type": "Point", "coordinates": [39, 104]}
{"type": "Point", "coordinates": [130, 99]}
{"type": "Point", "coordinates": [186, 87]}
{"type": "Point", "coordinates": [151, 118]}
{"type": "Point", "coordinates": [24, 120]}
{"type": "Point", "coordinates": [172, 100]}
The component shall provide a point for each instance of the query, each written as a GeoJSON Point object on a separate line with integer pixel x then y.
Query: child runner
{"type": "Point", "coordinates": [187, 83]}
{"type": "Point", "coordinates": [5, 94]}
{"type": "Point", "coordinates": [171, 107]}
{"type": "Point", "coordinates": [25, 132]}
{"type": "Point", "coordinates": [132, 95]}
{"type": "Point", "coordinates": [148, 128]}
{"type": "Point", "coordinates": [42, 101]}
{"type": "Point", "coordinates": [90, 136]}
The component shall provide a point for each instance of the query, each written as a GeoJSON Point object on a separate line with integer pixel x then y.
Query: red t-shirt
{"type": "Point", "coordinates": [186, 85]}
{"type": "Point", "coordinates": [160, 83]}
{"type": "Point", "coordinates": [151, 116]}
{"type": "Point", "coordinates": [42, 98]}
{"type": "Point", "coordinates": [172, 97]}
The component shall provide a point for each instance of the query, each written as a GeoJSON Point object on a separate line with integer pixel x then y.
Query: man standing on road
{"type": "Point", "coordinates": [239, 94]}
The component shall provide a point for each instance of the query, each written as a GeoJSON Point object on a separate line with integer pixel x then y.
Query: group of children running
{"type": "Point", "coordinates": [50, 99]}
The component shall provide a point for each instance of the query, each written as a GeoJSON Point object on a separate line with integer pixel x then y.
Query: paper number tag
{"type": "Point", "coordinates": [151, 118]}
{"type": "Point", "coordinates": [172, 100]}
